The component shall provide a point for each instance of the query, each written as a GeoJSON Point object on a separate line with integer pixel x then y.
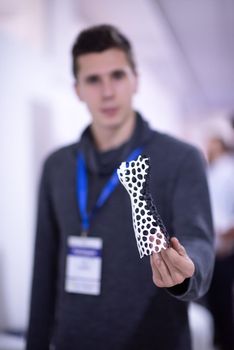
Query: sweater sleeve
{"type": "Point", "coordinates": [44, 272]}
{"type": "Point", "coordinates": [192, 224]}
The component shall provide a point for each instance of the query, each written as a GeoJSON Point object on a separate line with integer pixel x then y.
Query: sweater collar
{"type": "Point", "coordinates": [104, 163]}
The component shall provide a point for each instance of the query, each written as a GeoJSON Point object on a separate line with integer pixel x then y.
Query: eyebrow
{"type": "Point", "coordinates": [119, 72]}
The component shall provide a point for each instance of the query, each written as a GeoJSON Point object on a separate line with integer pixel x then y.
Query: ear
{"type": "Point", "coordinates": [78, 90]}
{"type": "Point", "coordinates": [135, 83]}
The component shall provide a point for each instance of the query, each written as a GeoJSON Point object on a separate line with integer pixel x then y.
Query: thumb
{"type": "Point", "coordinates": [178, 247]}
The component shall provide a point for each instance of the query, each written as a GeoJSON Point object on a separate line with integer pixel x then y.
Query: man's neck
{"type": "Point", "coordinates": [110, 138]}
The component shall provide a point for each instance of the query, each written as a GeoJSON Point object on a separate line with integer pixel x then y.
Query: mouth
{"type": "Point", "coordinates": [110, 111]}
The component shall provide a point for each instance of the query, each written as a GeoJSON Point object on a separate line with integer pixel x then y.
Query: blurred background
{"type": "Point", "coordinates": [185, 54]}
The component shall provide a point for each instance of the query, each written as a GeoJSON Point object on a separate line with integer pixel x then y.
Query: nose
{"type": "Point", "coordinates": [107, 89]}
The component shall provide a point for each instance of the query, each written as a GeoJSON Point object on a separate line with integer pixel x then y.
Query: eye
{"type": "Point", "coordinates": [93, 79]}
{"type": "Point", "coordinates": [118, 74]}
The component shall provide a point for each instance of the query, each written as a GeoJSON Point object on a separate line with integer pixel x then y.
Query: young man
{"type": "Point", "coordinates": [131, 303]}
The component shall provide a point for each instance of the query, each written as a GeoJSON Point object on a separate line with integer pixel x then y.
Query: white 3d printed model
{"type": "Point", "coordinates": [151, 234]}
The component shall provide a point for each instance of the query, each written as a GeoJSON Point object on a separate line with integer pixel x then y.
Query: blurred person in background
{"type": "Point", "coordinates": [221, 182]}
{"type": "Point", "coordinates": [133, 303]}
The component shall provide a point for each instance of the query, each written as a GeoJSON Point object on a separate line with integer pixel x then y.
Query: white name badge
{"type": "Point", "coordinates": [83, 265]}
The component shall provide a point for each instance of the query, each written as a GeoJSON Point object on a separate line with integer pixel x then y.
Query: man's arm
{"type": "Point", "coordinates": [186, 267]}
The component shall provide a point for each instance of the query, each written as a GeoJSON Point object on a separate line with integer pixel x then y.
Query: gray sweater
{"type": "Point", "coordinates": [131, 312]}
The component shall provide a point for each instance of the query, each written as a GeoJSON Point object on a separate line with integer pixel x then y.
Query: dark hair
{"type": "Point", "coordinates": [100, 38]}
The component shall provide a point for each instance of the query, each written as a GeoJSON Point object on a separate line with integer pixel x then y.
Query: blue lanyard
{"type": "Point", "coordinates": [82, 188]}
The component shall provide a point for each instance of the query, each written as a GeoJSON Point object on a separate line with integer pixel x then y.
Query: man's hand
{"type": "Point", "coordinates": [171, 266]}
{"type": "Point", "coordinates": [225, 243]}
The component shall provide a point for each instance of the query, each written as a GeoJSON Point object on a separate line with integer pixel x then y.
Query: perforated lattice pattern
{"type": "Point", "coordinates": [151, 235]}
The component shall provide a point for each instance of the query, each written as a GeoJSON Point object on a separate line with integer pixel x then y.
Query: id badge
{"type": "Point", "coordinates": [83, 265]}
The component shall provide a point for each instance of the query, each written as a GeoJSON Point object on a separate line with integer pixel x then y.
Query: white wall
{"type": "Point", "coordinates": [31, 125]}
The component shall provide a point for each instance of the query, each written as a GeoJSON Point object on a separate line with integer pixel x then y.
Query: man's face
{"type": "Point", "coordinates": [107, 83]}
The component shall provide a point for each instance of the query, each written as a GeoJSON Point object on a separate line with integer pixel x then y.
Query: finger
{"type": "Point", "coordinates": [163, 270]}
{"type": "Point", "coordinates": [157, 278]}
{"type": "Point", "coordinates": [176, 274]}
